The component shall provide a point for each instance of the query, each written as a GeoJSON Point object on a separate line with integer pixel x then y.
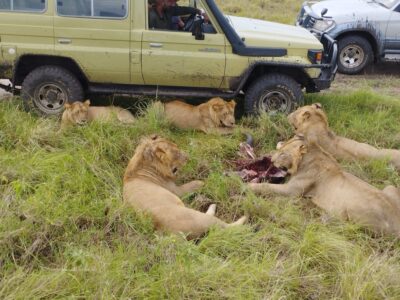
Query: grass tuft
{"type": "Point", "coordinates": [64, 231]}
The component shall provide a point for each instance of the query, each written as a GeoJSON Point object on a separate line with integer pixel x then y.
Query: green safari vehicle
{"type": "Point", "coordinates": [55, 52]}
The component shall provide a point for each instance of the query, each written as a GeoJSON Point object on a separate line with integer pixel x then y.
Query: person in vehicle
{"type": "Point", "coordinates": [177, 22]}
{"type": "Point", "coordinates": [161, 14]}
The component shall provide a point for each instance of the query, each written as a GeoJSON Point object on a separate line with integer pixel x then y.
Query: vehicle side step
{"type": "Point", "coordinates": [135, 90]}
{"type": "Point", "coordinates": [392, 57]}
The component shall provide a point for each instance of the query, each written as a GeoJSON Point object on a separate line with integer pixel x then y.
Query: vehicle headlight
{"type": "Point", "coordinates": [324, 25]}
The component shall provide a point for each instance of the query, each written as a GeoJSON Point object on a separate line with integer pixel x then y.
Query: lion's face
{"type": "Point", "coordinates": [222, 112]}
{"type": "Point", "coordinates": [77, 112]}
{"type": "Point", "coordinates": [289, 154]}
{"type": "Point", "coordinates": [164, 156]}
{"type": "Point", "coordinates": [306, 116]}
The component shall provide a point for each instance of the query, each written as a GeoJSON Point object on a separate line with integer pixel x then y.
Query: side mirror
{"type": "Point", "coordinates": [197, 30]}
{"type": "Point", "coordinates": [324, 11]}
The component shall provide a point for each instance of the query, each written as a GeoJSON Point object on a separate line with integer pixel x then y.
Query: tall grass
{"type": "Point", "coordinates": [64, 231]}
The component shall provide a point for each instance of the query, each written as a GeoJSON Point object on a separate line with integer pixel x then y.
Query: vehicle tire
{"type": "Point", "coordinates": [355, 53]}
{"type": "Point", "coordinates": [46, 89]}
{"type": "Point", "coordinates": [273, 93]}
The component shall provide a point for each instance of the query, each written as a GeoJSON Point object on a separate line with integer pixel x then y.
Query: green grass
{"type": "Point", "coordinates": [64, 231]}
{"type": "Point", "coordinates": [284, 11]}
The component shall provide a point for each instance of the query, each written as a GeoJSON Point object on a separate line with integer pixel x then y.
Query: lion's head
{"type": "Point", "coordinates": [76, 113]}
{"type": "Point", "coordinates": [222, 112]}
{"type": "Point", "coordinates": [308, 116]}
{"type": "Point", "coordinates": [290, 153]}
{"type": "Point", "coordinates": [159, 155]}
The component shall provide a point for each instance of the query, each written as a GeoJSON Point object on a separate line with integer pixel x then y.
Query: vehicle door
{"type": "Point", "coordinates": [95, 34]}
{"type": "Point", "coordinates": [392, 42]}
{"type": "Point", "coordinates": [176, 58]}
{"type": "Point", "coordinates": [26, 26]}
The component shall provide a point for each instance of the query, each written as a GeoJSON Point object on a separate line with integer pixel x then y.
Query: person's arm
{"type": "Point", "coordinates": [183, 10]}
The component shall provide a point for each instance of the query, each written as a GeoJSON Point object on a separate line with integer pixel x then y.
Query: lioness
{"type": "Point", "coordinates": [79, 113]}
{"type": "Point", "coordinates": [312, 122]}
{"type": "Point", "coordinates": [214, 116]}
{"type": "Point", "coordinates": [149, 187]}
{"type": "Point", "coordinates": [316, 174]}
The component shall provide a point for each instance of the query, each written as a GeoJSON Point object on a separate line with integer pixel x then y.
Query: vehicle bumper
{"type": "Point", "coordinates": [328, 66]}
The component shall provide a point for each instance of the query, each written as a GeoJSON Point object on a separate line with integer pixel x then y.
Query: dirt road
{"type": "Point", "coordinates": [382, 78]}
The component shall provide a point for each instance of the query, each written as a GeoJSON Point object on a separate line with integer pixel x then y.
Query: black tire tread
{"type": "Point", "coordinates": [363, 43]}
{"type": "Point", "coordinates": [255, 90]}
{"type": "Point", "coordinates": [59, 74]}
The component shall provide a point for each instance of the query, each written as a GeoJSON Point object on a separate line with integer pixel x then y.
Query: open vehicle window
{"type": "Point", "coordinates": [23, 5]}
{"type": "Point", "coordinates": [114, 9]}
{"type": "Point", "coordinates": [176, 16]}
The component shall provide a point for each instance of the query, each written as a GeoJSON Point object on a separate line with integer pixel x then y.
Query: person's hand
{"type": "Point", "coordinates": [202, 13]}
{"type": "Point", "coordinates": [206, 18]}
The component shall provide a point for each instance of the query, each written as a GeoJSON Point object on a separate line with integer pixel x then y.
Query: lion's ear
{"type": "Point", "coordinates": [303, 149]}
{"type": "Point", "coordinates": [306, 115]}
{"type": "Point", "coordinates": [67, 106]}
{"type": "Point", "coordinates": [87, 103]}
{"type": "Point", "coordinates": [317, 105]}
{"type": "Point", "coordinates": [232, 103]}
{"type": "Point", "coordinates": [217, 107]}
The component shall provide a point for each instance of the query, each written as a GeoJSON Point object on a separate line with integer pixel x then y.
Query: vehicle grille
{"type": "Point", "coordinates": [310, 23]}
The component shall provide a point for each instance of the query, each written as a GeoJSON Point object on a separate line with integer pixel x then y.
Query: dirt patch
{"type": "Point", "coordinates": [381, 78]}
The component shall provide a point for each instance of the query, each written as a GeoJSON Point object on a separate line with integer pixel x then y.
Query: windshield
{"type": "Point", "coordinates": [388, 3]}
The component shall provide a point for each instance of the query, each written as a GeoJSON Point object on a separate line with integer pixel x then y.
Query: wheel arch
{"type": "Point", "coordinates": [260, 69]}
{"type": "Point", "coordinates": [369, 36]}
{"type": "Point", "coordinates": [28, 62]}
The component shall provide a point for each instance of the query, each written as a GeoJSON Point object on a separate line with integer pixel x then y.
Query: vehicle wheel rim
{"type": "Point", "coordinates": [50, 98]}
{"type": "Point", "coordinates": [352, 56]}
{"type": "Point", "coordinates": [274, 102]}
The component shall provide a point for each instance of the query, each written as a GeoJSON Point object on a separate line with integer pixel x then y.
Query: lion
{"type": "Point", "coordinates": [316, 174]}
{"type": "Point", "coordinates": [214, 116]}
{"type": "Point", "coordinates": [80, 113]}
{"type": "Point", "coordinates": [312, 122]}
{"type": "Point", "coordinates": [149, 187]}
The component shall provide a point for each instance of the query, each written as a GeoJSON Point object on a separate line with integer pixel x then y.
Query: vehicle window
{"type": "Point", "coordinates": [398, 8]}
{"type": "Point", "coordinates": [175, 16]}
{"type": "Point", "coordinates": [93, 8]}
{"type": "Point", "coordinates": [23, 5]}
{"type": "Point", "coordinates": [388, 3]}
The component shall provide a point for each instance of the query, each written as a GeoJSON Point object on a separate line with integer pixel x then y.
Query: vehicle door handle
{"type": "Point", "coordinates": [64, 41]}
{"type": "Point", "coordinates": [156, 45]}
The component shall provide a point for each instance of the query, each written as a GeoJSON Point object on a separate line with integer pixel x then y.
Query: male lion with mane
{"type": "Point", "coordinates": [312, 122]}
{"type": "Point", "coordinates": [149, 187]}
{"type": "Point", "coordinates": [214, 116]}
{"type": "Point", "coordinates": [80, 113]}
{"type": "Point", "coordinates": [316, 174]}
